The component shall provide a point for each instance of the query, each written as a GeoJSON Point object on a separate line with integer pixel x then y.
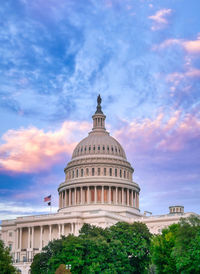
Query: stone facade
{"type": "Point", "coordinates": [98, 189]}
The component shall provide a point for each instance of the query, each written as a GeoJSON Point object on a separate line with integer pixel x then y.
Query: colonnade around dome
{"type": "Point", "coordinates": [98, 195]}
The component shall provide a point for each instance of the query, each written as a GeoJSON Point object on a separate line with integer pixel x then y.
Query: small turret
{"type": "Point", "coordinates": [99, 117]}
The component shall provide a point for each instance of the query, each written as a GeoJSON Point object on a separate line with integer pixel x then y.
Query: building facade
{"type": "Point", "coordinates": [98, 189]}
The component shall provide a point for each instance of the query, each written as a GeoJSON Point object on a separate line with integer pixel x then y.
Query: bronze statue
{"type": "Point", "coordinates": [99, 100]}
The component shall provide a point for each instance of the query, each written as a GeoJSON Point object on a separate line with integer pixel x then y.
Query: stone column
{"type": "Point", "coordinates": [116, 195]}
{"type": "Point", "coordinates": [20, 238]}
{"type": "Point", "coordinates": [75, 196]}
{"type": "Point", "coordinates": [65, 198]}
{"type": "Point", "coordinates": [58, 231]}
{"type": "Point", "coordinates": [70, 196]}
{"type": "Point", "coordinates": [32, 237]}
{"type": "Point", "coordinates": [41, 229]}
{"type": "Point", "coordinates": [102, 195]}
{"type": "Point", "coordinates": [81, 195]}
{"type": "Point", "coordinates": [88, 195]}
{"type": "Point", "coordinates": [137, 200]}
{"type": "Point", "coordinates": [28, 245]}
{"type": "Point", "coordinates": [128, 201]}
{"type": "Point", "coordinates": [109, 195]}
{"type": "Point", "coordinates": [122, 196]}
{"type": "Point", "coordinates": [62, 229]}
{"type": "Point", "coordinates": [17, 238]}
{"type": "Point", "coordinates": [95, 194]}
{"type": "Point", "coordinates": [50, 232]}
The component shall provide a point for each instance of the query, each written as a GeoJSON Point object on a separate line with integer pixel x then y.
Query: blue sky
{"type": "Point", "coordinates": [142, 56]}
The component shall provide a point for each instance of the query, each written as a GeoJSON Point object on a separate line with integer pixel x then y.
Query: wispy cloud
{"type": "Point", "coordinates": [33, 149]}
{"type": "Point", "coordinates": [190, 46]}
{"type": "Point", "coordinates": [160, 19]}
{"type": "Point", "coordinates": [161, 134]}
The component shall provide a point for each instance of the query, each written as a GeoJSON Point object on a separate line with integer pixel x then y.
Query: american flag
{"type": "Point", "coordinates": [48, 198]}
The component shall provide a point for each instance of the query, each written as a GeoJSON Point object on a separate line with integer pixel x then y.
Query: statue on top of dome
{"type": "Point", "coordinates": [99, 99]}
{"type": "Point", "coordinates": [99, 104]}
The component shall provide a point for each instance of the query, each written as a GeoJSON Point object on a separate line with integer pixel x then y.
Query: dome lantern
{"type": "Point", "coordinates": [99, 117]}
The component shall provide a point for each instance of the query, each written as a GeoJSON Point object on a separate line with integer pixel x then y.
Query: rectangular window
{"type": "Point", "coordinates": [82, 172]}
{"type": "Point", "coordinates": [87, 171]}
{"type": "Point", "coordinates": [120, 173]}
{"type": "Point", "coordinates": [93, 171]}
{"type": "Point", "coordinates": [115, 172]}
{"type": "Point", "coordinates": [104, 171]}
{"type": "Point", "coordinates": [110, 171]}
{"type": "Point", "coordinates": [99, 171]}
{"type": "Point", "coordinates": [124, 174]}
{"type": "Point", "coordinates": [10, 234]}
{"type": "Point", "coordinates": [77, 173]}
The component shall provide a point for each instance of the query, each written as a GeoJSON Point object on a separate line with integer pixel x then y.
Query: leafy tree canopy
{"type": "Point", "coordinates": [6, 266]}
{"type": "Point", "coordinates": [177, 249]}
{"type": "Point", "coordinates": [122, 248]}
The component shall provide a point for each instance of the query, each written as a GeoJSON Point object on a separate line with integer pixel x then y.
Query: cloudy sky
{"type": "Point", "coordinates": [142, 56]}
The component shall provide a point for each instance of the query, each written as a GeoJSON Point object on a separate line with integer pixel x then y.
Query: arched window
{"type": "Point", "coordinates": [120, 173]}
{"type": "Point", "coordinates": [104, 171]}
{"type": "Point", "coordinates": [77, 173]}
{"type": "Point", "coordinates": [85, 148]}
{"type": "Point", "coordinates": [124, 174]}
{"type": "Point", "coordinates": [81, 172]}
{"type": "Point", "coordinates": [93, 171]}
{"type": "Point", "coordinates": [89, 148]}
{"type": "Point", "coordinates": [110, 171]}
{"type": "Point", "coordinates": [112, 149]}
{"type": "Point", "coordinates": [87, 171]}
{"type": "Point", "coordinates": [99, 171]}
{"type": "Point", "coordinates": [103, 147]}
{"type": "Point", "coordinates": [98, 147]}
{"type": "Point", "coordinates": [115, 172]}
{"type": "Point", "coordinates": [93, 147]}
{"type": "Point", "coordinates": [107, 148]}
{"type": "Point", "coordinates": [73, 174]}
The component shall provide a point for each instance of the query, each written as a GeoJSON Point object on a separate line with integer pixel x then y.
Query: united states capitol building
{"type": "Point", "coordinates": [99, 189]}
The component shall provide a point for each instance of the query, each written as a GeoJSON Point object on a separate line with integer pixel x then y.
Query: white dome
{"type": "Point", "coordinates": [99, 143]}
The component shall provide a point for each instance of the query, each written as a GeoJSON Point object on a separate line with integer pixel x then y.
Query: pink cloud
{"type": "Point", "coordinates": [159, 19]}
{"type": "Point", "coordinates": [32, 149]}
{"type": "Point", "coordinates": [190, 46]}
{"type": "Point", "coordinates": [160, 134]}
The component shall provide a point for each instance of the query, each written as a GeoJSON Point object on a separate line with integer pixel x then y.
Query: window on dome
{"type": "Point", "coordinates": [78, 150]}
{"type": "Point", "coordinates": [103, 148]}
{"type": "Point", "coordinates": [115, 172]}
{"type": "Point", "coordinates": [107, 148]}
{"type": "Point", "coordinates": [85, 148]}
{"type": "Point", "coordinates": [73, 174]}
{"type": "Point", "coordinates": [87, 171]}
{"type": "Point", "coordinates": [99, 171]}
{"type": "Point", "coordinates": [81, 172]}
{"type": "Point", "coordinates": [98, 147]}
{"type": "Point", "coordinates": [77, 173]}
{"type": "Point", "coordinates": [93, 147]}
{"type": "Point", "coordinates": [124, 174]}
{"type": "Point", "coordinates": [104, 171]}
{"type": "Point", "coordinates": [110, 171]}
{"type": "Point", "coordinates": [89, 148]}
{"type": "Point", "coordinates": [112, 149]}
{"type": "Point", "coordinates": [81, 149]}
{"type": "Point", "coordinates": [93, 171]}
{"type": "Point", "coordinates": [120, 173]}
{"type": "Point", "coordinates": [115, 149]}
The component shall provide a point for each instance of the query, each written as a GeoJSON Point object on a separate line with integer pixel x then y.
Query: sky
{"type": "Point", "coordinates": [142, 56]}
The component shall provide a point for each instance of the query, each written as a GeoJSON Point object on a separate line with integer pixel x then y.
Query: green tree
{"type": "Point", "coordinates": [6, 266]}
{"type": "Point", "coordinates": [161, 250]}
{"type": "Point", "coordinates": [177, 249]}
{"type": "Point", "coordinates": [122, 248]}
